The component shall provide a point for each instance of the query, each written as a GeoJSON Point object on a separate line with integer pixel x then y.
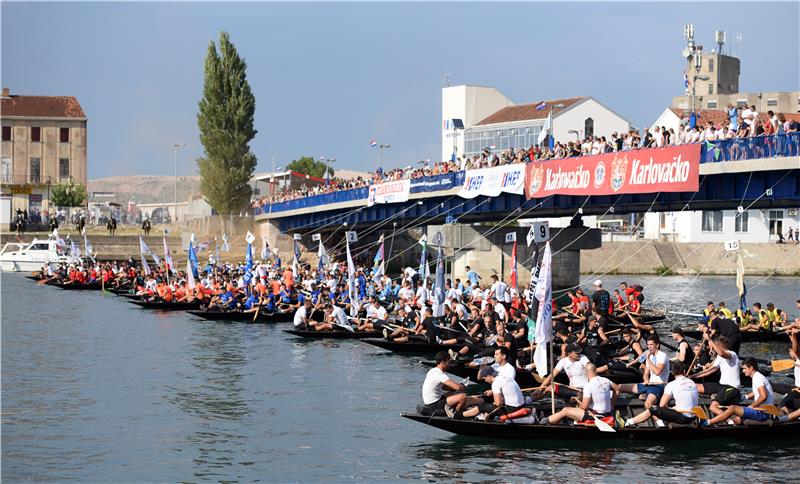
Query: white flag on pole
{"type": "Point", "coordinates": [544, 320]}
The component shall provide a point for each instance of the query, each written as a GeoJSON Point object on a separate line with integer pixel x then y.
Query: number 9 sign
{"type": "Point", "coordinates": [539, 232]}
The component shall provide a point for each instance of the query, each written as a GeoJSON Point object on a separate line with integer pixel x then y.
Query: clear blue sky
{"type": "Point", "coordinates": [330, 77]}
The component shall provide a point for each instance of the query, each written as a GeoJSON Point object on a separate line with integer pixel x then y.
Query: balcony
{"type": "Point", "coordinates": [33, 179]}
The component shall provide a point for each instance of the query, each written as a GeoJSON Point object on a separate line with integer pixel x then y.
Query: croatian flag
{"type": "Point", "coordinates": [373, 143]}
{"type": "Point", "coordinates": [541, 106]}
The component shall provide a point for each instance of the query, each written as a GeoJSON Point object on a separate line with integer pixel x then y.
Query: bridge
{"type": "Point", "coordinates": [760, 172]}
{"type": "Point", "coordinates": [755, 173]}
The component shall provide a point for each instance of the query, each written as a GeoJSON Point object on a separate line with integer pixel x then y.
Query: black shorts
{"type": "Point", "coordinates": [432, 408]}
{"type": "Point", "coordinates": [588, 415]}
{"type": "Point", "coordinates": [670, 415]}
{"type": "Point", "coordinates": [724, 394]}
{"type": "Point", "coordinates": [792, 400]}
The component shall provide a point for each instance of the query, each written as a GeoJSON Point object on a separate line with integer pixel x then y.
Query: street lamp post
{"type": "Point", "coordinates": [380, 154]}
{"type": "Point", "coordinates": [175, 149]}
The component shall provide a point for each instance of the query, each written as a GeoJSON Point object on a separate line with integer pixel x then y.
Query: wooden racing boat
{"type": "Point", "coordinates": [76, 286]}
{"type": "Point", "coordinates": [240, 316]}
{"type": "Point", "coordinates": [747, 336]}
{"type": "Point", "coordinates": [411, 346]}
{"type": "Point", "coordinates": [167, 306]}
{"type": "Point", "coordinates": [501, 430]}
{"type": "Point", "coordinates": [338, 334]}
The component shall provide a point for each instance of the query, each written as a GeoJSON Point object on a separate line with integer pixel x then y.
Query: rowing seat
{"type": "Point", "coordinates": [673, 425]}
{"type": "Point", "coordinates": [756, 423]}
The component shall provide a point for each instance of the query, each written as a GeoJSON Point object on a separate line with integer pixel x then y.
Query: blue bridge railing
{"type": "Point", "coordinates": [710, 152]}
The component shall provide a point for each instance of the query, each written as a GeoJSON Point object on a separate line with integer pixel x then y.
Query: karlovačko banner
{"type": "Point", "coordinates": [490, 182]}
{"type": "Point", "coordinates": [389, 192]}
{"type": "Point", "coordinates": [669, 169]}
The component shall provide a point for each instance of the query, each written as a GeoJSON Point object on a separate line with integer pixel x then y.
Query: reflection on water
{"type": "Point", "coordinates": [96, 389]}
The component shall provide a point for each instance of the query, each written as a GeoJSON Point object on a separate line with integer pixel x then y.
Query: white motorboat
{"type": "Point", "coordinates": [20, 257]}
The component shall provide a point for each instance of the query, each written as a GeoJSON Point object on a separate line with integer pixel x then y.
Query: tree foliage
{"type": "Point", "coordinates": [225, 120]}
{"type": "Point", "coordinates": [309, 166]}
{"type": "Point", "coordinates": [68, 194]}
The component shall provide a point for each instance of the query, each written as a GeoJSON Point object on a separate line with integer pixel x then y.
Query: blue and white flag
{"type": "Point", "coordinates": [74, 250]}
{"type": "Point", "coordinates": [352, 288]}
{"type": "Point", "coordinates": [438, 287]}
{"type": "Point", "coordinates": [87, 246]}
{"type": "Point", "coordinates": [324, 261]}
{"type": "Point", "coordinates": [544, 320]}
{"type": "Point", "coordinates": [685, 80]}
{"type": "Point", "coordinates": [193, 262]}
{"type": "Point", "coordinates": [423, 258]}
{"type": "Point", "coordinates": [143, 251]}
{"type": "Point", "coordinates": [378, 267]}
{"type": "Point", "coordinates": [225, 246]}
{"type": "Point", "coordinates": [545, 128]}
{"type": "Point", "coordinates": [541, 106]}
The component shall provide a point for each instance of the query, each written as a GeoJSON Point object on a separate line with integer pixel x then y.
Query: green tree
{"type": "Point", "coordinates": [309, 166]}
{"type": "Point", "coordinates": [225, 120]}
{"type": "Point", "coordinates": [68, 194]}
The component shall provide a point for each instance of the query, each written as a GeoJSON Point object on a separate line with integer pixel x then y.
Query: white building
{"type": "Point", "coordinates": [751, 226]}
{"type": "Point", "coordinates": [489, 119]}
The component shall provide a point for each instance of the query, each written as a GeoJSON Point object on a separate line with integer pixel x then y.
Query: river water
{"type": "Point", "coordinates": [96, 389]}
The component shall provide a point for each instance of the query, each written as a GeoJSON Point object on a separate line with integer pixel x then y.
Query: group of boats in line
{"type": "Point", "coordinates": [404, 333]}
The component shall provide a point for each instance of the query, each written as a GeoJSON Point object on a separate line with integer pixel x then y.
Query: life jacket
{"type": "Point", "coordinates": [726, 312]}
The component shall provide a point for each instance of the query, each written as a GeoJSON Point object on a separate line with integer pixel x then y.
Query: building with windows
{"type": "Point", "coordinates": [43, 144]}
{"type": "Point", "coordinates": [751, 226]}
{"type": "Point", "coordinates": [475, 118]}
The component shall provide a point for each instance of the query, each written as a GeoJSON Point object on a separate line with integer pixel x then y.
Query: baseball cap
{"type": "Point", "coordinates": [487, 371]}
{"type": "Point", "coordinates": [598, 282]}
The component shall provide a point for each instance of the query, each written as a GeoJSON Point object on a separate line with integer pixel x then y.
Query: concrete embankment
{"type": "Point", "coordinates": [651, 257]}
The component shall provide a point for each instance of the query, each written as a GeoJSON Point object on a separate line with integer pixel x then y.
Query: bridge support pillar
{"type": "Point", "coordinates": [270, 231]}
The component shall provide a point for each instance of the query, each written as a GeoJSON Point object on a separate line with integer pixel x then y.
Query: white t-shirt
{"type": "Point", "coordinates": [422, 296]}
{"type": "Point", "coordinates": [406, 293]}
{"type": "Point", "coordinates": [657, 359]}
{"type": "Point", "coordinates": [500, 310]}
{"type": "Point", "coordinates": [339, 315]}
{"type": "Point", "coordinates": [499, 289]}
{"type": "Point", "coordinates": [377, 313]}
{"type": "Point", "coordinates": [432, 387]}
{"type": "Point", "coordinates": [300, 316]}
{"type": "Point", "coordinates": [797, 373]}
{"type": "Point", "coordinates": [575, 370]}
{"type": "Point", "coordinates": [599, 389]}
{"type": "Point", "coordinates": [728, 370]}
{"type": "Point", "coordinates": [684, 391]}
{"type": "Point", "coordinates": [759, 381]}
{"type": "Point", "coordinates": [507, 370]}
{"type": "Point", "coordinates": [512, 394]}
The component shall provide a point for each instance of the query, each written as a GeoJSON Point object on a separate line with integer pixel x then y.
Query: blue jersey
{"type": "Point", "coordinates": [251, 302]}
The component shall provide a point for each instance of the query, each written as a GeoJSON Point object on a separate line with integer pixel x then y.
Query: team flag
{"type": "Point", "coordinates": [378, 263]}
{"type": "Point", "coordinates": [324, 261]}
{"type": "Point", "coordinates": [514, 265]}
{"type": "Point", "coordinates": [545, 128]}
{"type": "Point", "coordinates": [144, 250]}
{"type": "Point", "coordinates": [351, 281]}
{"type": "Point", "coordinates": [544, 320]}
{"type": "Point", "coordinates": [438, 287]}
{"type": "Point", "coordinates": [423, 261]}
{"type": "Point", "coordinates": [193, 262]}
{"type": "Point", "coordinates": [740, 285]}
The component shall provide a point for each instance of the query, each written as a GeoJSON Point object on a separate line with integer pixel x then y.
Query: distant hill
{"type": "Point", "coordinates": [146, 189]}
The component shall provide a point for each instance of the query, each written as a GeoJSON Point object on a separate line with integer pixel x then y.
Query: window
{"type": "Point", "coordinates": [711, 65]}
{"type": "Point", "coordinates": [63, 167]}
{"type": "Point", "coordinates": [741, 103]}
{"type": "Point", "coordinates": [35, 174]}
{"type": "Point", "coordinates": [772, 102]}
{"type": "Point", "coordinates": [588, 127]}
{"type": "Point", "coordinates": [63, 135]}
{"type": "Point", "coordinates": [712, 221]}
{"type": "Point", "coordinates": [712, 104]}
{"type": "Point", "coordinates": [710, 88]}
{"type": "Point", "coordinates": [6, 133]}
{"type": "Point", "coordinates": [742, 220]}
{"type": "Point", "coordinates": [36, 134]}
{"type": "Point", "coordinates": [775, 222]}
{"type": "Point", "coordinates": [5, 170]}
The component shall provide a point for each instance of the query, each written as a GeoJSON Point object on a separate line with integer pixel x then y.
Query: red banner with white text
{"type": "Point", "coordinates": [669, 169]}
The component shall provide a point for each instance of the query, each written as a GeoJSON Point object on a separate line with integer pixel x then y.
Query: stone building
{"type": "Point", "coordinates": [43, 144]}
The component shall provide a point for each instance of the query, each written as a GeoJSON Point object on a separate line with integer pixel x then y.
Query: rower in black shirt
{"type": "Point", "coordinates": [722, 326]}
{"type": "Point", "coordinates": [685, 354]}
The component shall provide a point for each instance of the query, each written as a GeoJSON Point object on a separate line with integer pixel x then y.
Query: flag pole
{"type": "Point", "coordinates": [552, 382]}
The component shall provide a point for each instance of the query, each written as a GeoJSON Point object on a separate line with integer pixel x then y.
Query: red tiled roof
{"type": "Point", "coordinates": [42, 107]}
{"type": "Point", "coordinates": [718, 116]}
{"type": "Point", "coordinates": [525, 112]}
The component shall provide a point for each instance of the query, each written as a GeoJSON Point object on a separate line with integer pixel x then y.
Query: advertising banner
{"type": "Point", "coordinates": [490, 182]}
{"type": "Point", "coordinates": [669, 169]}
{"type": "Point", "coordinates": [389, 192]}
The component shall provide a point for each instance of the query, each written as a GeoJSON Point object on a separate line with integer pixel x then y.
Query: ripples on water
{"type": "Point", "coordinates": [95, 389]}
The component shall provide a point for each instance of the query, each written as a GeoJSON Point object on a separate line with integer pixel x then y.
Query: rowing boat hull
{"type": "Point", "coordinates": [497, 430]}
{"type": "Point", "coordinates": [166, 306]}
{"type": "Point", "coordinates": [411, 347]}
{"type": "Point", "coordinates": [78, 287]}
{"type": "Point", "coordinates": [333, 334]}
{"type": "Point", "coordinates": [747, 336]}
{"type": "Point", "coordinates": [242, 317]}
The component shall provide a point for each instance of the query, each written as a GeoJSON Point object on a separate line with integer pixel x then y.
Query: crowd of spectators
{"type": "Point", "coordinates": [704, 126]}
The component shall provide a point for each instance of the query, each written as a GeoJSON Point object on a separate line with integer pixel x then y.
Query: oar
{"type": "Point", "coordinates": [258, 309]}
{"type": "Point", "coordinates": [601, 425]}
{"type": "Point", "coordinates": [782, 365]}
{"type": "Point", "coordinates": [768, 409]}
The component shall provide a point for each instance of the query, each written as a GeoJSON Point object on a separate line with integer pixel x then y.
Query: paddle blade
{"type": "Point", "coordinates": [782, 365]}
{"type": "Point", "coordinates": [604, 427]}
{"type": "Point", "coordinates": [700, 413]}
{"type": "Point", "coordinates": [770, 409]}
